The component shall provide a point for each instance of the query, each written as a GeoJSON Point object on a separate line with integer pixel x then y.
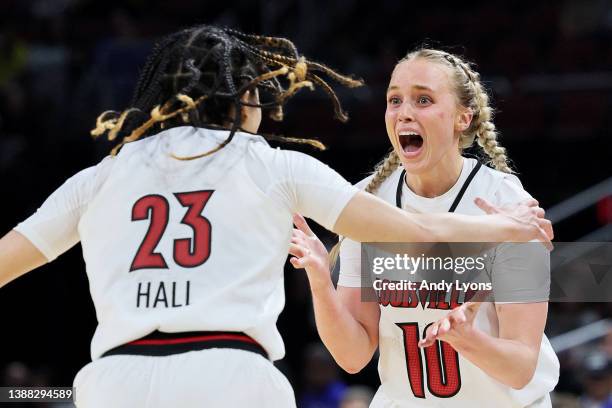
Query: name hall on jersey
{"type": "Point", "coordinates": [163, 294]}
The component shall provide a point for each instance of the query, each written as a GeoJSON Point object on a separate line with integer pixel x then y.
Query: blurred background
{"type": "Point", "coordinates": [547, 64]}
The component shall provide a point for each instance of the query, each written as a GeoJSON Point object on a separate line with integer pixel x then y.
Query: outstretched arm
{"type": "Point", "coordinates": [52, 229]}
{"type": "Point", "coordinates": [367, 218]}
{"type": "Point", "coordinates": [17, 257]}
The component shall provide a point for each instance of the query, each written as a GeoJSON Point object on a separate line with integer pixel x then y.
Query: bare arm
{"type": "Point", "coordinates": [519, 272]}
{"type": "Point", "coordinates": [17, 257]}
{"type": "Point", "coordinates": [367, 218]}
{"type": "Point", "coordinates": [347, 325]}
{"type": "Point", "coordinates": [53, 227]}
{"type": "Point", "coordinates": [517, 346]}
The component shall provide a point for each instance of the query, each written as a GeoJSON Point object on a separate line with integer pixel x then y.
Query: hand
{"type": "Point", "coordinates": [456, 326]}
{"type": "Point", "coordinates": [309, 253]}
{"type": "Point", "coordinates": [526, 219]}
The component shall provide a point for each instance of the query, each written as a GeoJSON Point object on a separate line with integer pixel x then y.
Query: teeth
{"type": "Point", "coordinates": [408, 134]}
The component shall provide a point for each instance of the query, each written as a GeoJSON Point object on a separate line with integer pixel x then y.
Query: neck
{"type": "Point", "coordinates": [438, 180]}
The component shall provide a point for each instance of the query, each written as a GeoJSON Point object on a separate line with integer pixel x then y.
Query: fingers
{"type": "Point", "coordinates": [537, 211]}
{"type": "Point", "coordinates": [544, 232]}
{"type": "Point", "coordinates": [444, 327]}
{"type": "Point", "coordinates": [451, 322]}
{"type": "Point", "coordinates": [457, 318]}
{"type": "Point", "coordinates": [532, 202]}
{"type": "Point", "coordinates": [298, 237]}
{"type": "Point", "coordinates": [302, 225]}
{"type": "Point", "coordinates": [296, 233]}
{"type": "Point", "coordinates": [546, 225]}
{"type": "Point", "coordinates": [485, 206]}
{"type": "Point", "coordinates": [430, 336]}
{"type": "Point", "coordinates": [543, 237]}
{"type": "Point", "coordinates": [297, 250]}
{"type": "Point", "coordinates": [298, 263]}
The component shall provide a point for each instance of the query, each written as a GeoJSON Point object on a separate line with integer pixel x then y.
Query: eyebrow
{"type": "Point", "coordinates": [419, 87]}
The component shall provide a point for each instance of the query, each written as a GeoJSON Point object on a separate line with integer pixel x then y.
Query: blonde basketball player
{"type": "Point", "coordinates": [185, 227]}
{"type": "Point", "coordinates": [479, 354]}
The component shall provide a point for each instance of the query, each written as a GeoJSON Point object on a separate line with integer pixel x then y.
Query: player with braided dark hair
{"type": "Point", "coordinates": [185, 226]}
{"type": "Point", "coordinates": [218, 66]}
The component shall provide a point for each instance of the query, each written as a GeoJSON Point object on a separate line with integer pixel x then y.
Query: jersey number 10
{"type": "Point", "coordinates": [187, 252]}
{"type": "Point", "coordinates": [441, 362]}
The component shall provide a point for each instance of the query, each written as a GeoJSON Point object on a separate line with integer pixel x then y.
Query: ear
{"type": "Point", "coordinates": [244, 111]}
{"type": "Point", "coordinates": [463, 119]}
{"type": "Point", "coordinates": [251, 116]}
{"type": "Point", "coordinates": [246, 96]}
{"type": "Point", "coordinates": [250, 96]}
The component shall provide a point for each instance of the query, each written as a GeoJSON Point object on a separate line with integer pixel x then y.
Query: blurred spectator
{"type": "Point", "coordinates": [564, 400]}
{"type": "Point", "coordinates": [116, 61]}
{"type": "Point", "coordinates": [607, 345]}
{"type": "Point", "coordinates": [13, 57]}
{"type": "Point", "coordinates": [18, 374]}
{"type": "Point", "coordinates": [357, 396]}
{"type": "Point", "coordinates": [323, 387]}
{"type": "Point", "coordinates": [13, 119]}
{"type": "Point", "coordinates": [597, 381]}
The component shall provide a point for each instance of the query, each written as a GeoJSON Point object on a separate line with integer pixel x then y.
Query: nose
{"type": "Point", "coordinates": [406, 114]}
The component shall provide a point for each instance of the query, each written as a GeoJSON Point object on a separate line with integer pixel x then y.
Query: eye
{"type": "Point", "coordinates": [394, 100]}
{"type": "Point", "coordinates": [423, 100]}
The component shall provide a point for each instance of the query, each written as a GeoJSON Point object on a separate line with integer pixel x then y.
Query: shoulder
{"type": "Point", "coordinates": [267, 165]}
{"type": "Point", "coordinates": [502, 188]}
{"type": "Point", "coordinates": [388, 184]}
{"type": "Point", "coordinates": [281, 159]}
{"type": "Point", "coordinates": [95, 174]}
{"type": "Point", "coordinates": [89, 181]}
{"type": "Point", "coordinates": [364, 182]}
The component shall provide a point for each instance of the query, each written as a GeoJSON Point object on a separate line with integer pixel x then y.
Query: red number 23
{"type": "Point", "coordinates": [187, 252]}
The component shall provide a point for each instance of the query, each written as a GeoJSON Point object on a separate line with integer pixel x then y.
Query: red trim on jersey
{"type": "Point", "coordinates": [165, 344]}
{"type": "Point", "coordinates": [184, 340]}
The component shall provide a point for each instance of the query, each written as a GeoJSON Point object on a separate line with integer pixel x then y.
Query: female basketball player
{"type": "Point", "coordinates": [436, 107]}
{"type": "Point", "coordinates": [185, 248]}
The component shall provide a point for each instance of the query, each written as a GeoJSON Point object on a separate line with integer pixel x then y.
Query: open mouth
{"type": "Point", "coordinates": [410, 142]}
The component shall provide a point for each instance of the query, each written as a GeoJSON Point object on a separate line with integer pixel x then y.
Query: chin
{"type": "Point", "coordinates": [415, 166]}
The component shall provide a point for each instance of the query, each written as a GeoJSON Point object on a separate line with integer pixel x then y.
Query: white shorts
{"type": "Point", "coordinates": [382, 401]}
{"type": "Point", "coordinates": [216, 377]}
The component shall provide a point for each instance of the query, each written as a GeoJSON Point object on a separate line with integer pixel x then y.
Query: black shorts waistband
{"type": "Point", "coordinates": [165, 344]}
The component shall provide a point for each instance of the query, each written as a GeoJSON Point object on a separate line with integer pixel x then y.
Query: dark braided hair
{"type": "Point", "coordinates": [198, 76]}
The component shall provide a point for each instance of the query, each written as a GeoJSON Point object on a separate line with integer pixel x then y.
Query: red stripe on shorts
{"type": "Point", "coordinates": [196, 339]}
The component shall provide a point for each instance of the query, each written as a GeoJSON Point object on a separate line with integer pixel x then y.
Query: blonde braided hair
{"type": "Point", "coordinates": [487, 134]}
{"type": "Point", "coordinates": [471, 94]}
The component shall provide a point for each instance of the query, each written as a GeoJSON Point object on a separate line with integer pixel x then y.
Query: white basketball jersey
{"type": "Point", "coordinates": [194, 245]}
{"type": "Point", "coordinates": [437, 376]}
